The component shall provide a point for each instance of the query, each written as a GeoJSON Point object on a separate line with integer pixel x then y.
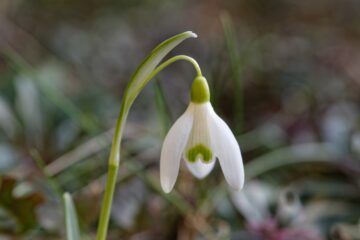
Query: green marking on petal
{"type": "Point", "coordinates": [199, 149]}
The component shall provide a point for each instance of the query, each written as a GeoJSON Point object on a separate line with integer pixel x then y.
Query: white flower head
{"type": "Point", "coordinates": [200, 136]}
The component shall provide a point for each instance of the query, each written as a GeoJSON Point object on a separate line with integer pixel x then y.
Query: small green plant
{"type": "Point", "coordinates": [198, 136]}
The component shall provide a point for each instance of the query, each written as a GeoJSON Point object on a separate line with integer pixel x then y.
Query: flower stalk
{"type": "Point", "coordinates": [147, 71]}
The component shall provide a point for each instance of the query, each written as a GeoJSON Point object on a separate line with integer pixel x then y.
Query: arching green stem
{"type": "Point", "coordinates": [129, 99]}
{"type": "Point", "coordinates": [114, 159]}
{"type": "Point", "coordinates": [132, 97]}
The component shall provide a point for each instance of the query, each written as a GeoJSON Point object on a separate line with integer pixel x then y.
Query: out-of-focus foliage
{"type": "Point", "coordinates": [284, 74]}
{"type": "Point", "coordinates": [19, 204]}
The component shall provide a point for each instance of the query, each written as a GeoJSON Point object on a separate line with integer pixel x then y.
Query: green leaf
{"type": "Point", "coordinates": [162, 107]}
{"type": "Point", "coordinates": [72, 225]}
{"type": "Point", "coordinates": [236, 69]}
{"type": "Point", "coordinates": [29, 106]}
{"type": "Point", "coordinates": [141, 75]}
{"type": "Point", "coordinates": [8, 122]}
{"type": "Point", "coordinates": [295, 154]}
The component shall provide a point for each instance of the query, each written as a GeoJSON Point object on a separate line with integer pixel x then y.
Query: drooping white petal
{"type": "Point", "coordinates": [200, 169]}
{"type": "Point", "coordinates": [173, 148]}
{"type": "Point", "coordinates": [227, 150]}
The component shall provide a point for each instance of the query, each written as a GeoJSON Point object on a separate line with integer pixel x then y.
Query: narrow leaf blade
{"type": "Point", "coordinates": [71, 221]}
{"type": "Point", "coordinates": [153, 59]}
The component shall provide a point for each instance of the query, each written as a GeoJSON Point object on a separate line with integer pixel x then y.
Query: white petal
{"type": "Point", "coordinates": [227, 150]}
{"type": "Point", "coordinates": [200, 169]}
{"type": "Point", "coordinates": [173, 149]}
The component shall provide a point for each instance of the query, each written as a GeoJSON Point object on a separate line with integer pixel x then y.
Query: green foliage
{"type": "Point", "coordinates": [145, 71]}
{"type": "Point", "coordinates": [71, 221]}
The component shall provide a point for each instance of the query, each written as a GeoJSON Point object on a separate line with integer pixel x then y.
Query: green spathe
{"type": "Point", "coordinates": [200, 90]}
{"type": "Point", "coordinates": [199, 149]}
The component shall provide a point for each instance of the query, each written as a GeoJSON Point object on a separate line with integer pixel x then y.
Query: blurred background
{"type": "Point", "coordinates": [284, 74]}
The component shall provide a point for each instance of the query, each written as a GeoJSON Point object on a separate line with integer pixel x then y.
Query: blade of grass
{"type": "Point", "coordinates": [162, 107]}
{"type": "Point", "coordinates": [236, 70]}
{"type": "Point", "coordinates": [296, 154]}
{"type": "Point", "coordinates": [72, 225]}
{"type": "Point", "coordinates": [84, 150]}
{"type": "Point", "coordinates": [41, 164]}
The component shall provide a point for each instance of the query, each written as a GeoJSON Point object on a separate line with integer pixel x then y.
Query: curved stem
{"type": "Point", "coordinates": [174, 59]}
{"type": "Point", "coordinates": [114, 158]}
{"type": "Point", "coordinates": [161, 67]}
{"type": "Point", "coordinates": [128, 100]}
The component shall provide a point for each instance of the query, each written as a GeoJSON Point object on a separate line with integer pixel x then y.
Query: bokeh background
{"type": "Point", "coordinates": [284, 74]}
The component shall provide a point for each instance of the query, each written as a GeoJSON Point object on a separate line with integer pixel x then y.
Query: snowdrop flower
{"type": "Point", "coordinates": [200, 136]}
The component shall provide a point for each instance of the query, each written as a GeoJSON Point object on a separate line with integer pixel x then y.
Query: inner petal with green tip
{"type": "Point", "coordinates": [199, 151]}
